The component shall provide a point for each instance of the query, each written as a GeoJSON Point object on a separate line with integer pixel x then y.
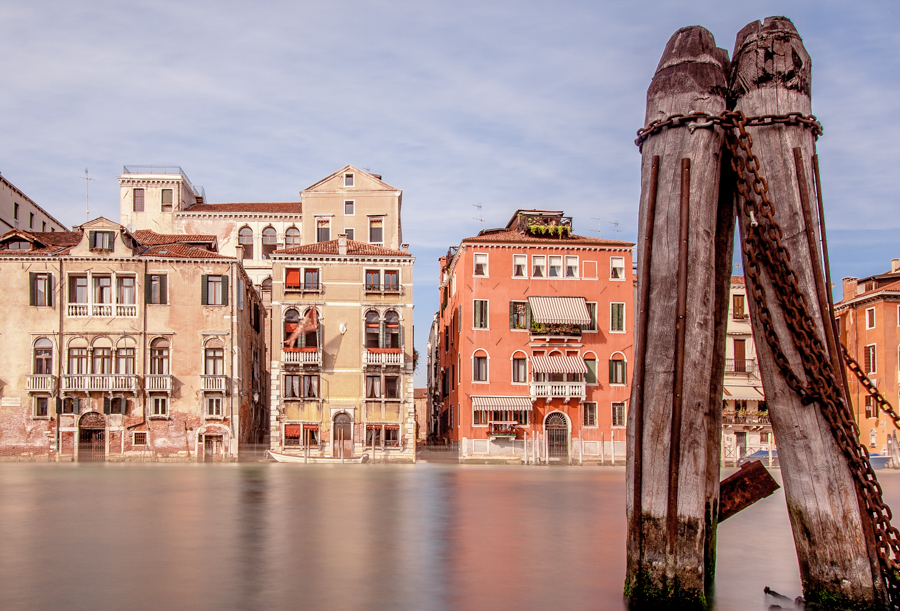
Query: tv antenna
{"type": "Point", "coordinates": [479, 218]}
{"type": "Point", "coordinates": [87, 205]}
{"type": "Point", "coordinates": [616, 223]}
{"type": "Point", "coordinates": [594, 218]}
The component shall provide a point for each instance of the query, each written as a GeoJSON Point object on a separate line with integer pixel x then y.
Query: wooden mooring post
{"type": "Point", "coordinates": [685, 247]}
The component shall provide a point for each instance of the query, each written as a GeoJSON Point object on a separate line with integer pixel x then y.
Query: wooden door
{"type": "Point", "coordinates": [342, 437]}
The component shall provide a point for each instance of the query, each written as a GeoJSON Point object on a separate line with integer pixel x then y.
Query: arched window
{"type": "Point", "coordinates": [125, 357]}
{"type": "Point", "coordinates": [43, 357]}
{"type": "Point", "coordinates": [102, 352]}
{"type": "Point", "coordinates": [78, 357]}
{"type": "Point", "coordinates": [373, 329]}
{"type": "Point", "coordinates": [617, 369]}
{"type": "Point", "coordinates": [519, 368]}
{"type": "Point", "coordinates": [267, 291]}
{"type": "Point", "coordinates": [480, 366]}
{"type": "Point", "coordinates": [159, 357]}
{"type": "Point", "coordinates": [291, 322]}
{"type": "Point", "coordinates": [292, 237]}
{"type": "Point", "coordinates": [214, 358]}
{"type": "Point", "coordinates": [269, 241]}
{"type": "Point", "coordinates": [392, 330]}
{"type": "Point", "coordinates": [311, 338]}
{"type": "Point", "coordinates": [245, 239]}
{"type": "Point", "coordinates": [590, 362]}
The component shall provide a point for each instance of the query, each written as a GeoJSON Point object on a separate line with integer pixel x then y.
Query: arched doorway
{"type": "Point", "coordinates": [342, 436]}
{"type": "Point", "coordinates": [91, 438]}
{"type": "Point", "coordinates": [557, 430]}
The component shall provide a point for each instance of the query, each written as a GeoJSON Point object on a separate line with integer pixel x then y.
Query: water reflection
{"type": "Point", "coordinates": [255, 536]}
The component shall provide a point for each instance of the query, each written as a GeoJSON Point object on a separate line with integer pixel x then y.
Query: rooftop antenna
{"type": "Point", "coordinates": [480, 219]}
{"type": "Point", "coordinates": [87, 205]}
{"type": "Point", "coordinates": [594, 218]}
{"type": "Point", "coordinates": [616, 223]}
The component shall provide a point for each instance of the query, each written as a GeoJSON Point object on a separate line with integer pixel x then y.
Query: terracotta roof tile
{"type": "Point", "coordinates": [178, 251]}
{"type": "Point", "coordinates": [331, 248]}
{"type": "Point", "coordinates": [420, 393]}
{"type": "Point", "coordinates": [49, 242]}
{"type": "Point", "coordinates": [148, 237]}
{"type": "Point", "coordinates": [515, 236]}
{"type": "Point", "coordinates": [739, 280]}
{"type": "Point", "coordinates": [251, 207]}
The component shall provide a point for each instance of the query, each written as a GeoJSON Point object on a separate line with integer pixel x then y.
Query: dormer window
{"type": "Point", "coordinates": [102, 240]}
{"type": "Point", "coordinates": [18, 245]}
{"type": "Point", "coordinates": [348, 180]}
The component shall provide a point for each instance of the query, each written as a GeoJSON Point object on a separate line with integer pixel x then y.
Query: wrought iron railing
{"type": "Point", "coordinates": [740, 365]}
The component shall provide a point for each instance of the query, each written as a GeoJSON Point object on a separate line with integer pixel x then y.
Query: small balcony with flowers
{"type": "Point", "coordinates": [558, 319]}
{"type": "Point", "coordinates": [544, 225]}
{"type": "Point", "coordinates": [503, 416]}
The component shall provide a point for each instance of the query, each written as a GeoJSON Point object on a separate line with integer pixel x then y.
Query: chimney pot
{"type": "Point", "coordinates": [342, 244]}
{"type": "Point", "coordinates": [895, 265]}
{"type": "Point", "coordinates": [849, 288]}
{"type": "Point", "coordinates": [404, 247]}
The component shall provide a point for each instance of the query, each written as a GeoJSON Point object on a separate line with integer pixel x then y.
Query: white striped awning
{"type": "Point", "coordinates": [748, 393]}
{"type": "Point", "coordinates": [559, 310]}
{"type": "Point", "coordinates": [500, 404]}
{"type": "Point", "coordinates": [558, 364]}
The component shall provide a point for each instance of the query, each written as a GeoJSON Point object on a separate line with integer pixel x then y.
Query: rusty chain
{"type": "Point", "coordinates": [766, 255]}
{"type": "Point", "coordinates": [887, 408]}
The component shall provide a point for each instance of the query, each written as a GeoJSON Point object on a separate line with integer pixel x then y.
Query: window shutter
{"type": "Point", "coordinates": [204, 290]}
{"type": "Point", "coordinates": [92, 237]}
{"type": "Point", "coordinates": [31, 281]}
{"type": "Point", "coordinates": [76, 405]}
{"type": "Point", "coordinates": [224, 289]}
{"type": "Point", "coordinates": [459, 320]}
{"type": "Point", "coordinates": [624, 372]}
{"type": "Point", "coordinates": [106, 405]}
{"type": "Point", "coordinates": [58, 405]}
{"type": "Point", "coordinates": [477, 305]}
{"type": "Point", "coordinates": [527, 315]}
{"type": "Point", "coordinates": [164, 289]}
{"type": "Point", "coordinates": [148, 288]}
{"type": "Point", "coordinates": [50, 286]}
{"type": "Point", "coordinates": [612, 371]}
{"type": "Point", "coordinates": [512, 315]}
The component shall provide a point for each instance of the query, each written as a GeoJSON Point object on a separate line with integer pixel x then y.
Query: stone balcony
{"type": "Point", "coordinates": [552, 390]}
{"type": "Point", "coordinates": [100, 382]}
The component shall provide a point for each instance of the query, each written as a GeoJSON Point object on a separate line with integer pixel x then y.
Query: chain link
{"type": "Point", "coordinates": [821, 384]}
{"type": "Point", "coordinates": [887, 408]}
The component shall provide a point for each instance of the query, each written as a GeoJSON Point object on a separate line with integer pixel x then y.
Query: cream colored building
{"type": "Point", "coordinates": [121, 345]}
{"type": "Point", "coordinates": [745, 419]}
{"type": "Point", "coordinates": [346, 389]}
{"type": "Point", "coordinates": [18, 211]}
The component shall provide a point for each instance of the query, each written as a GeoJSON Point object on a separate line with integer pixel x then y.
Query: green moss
{"type": "Point", "coordinates": [643, 594]}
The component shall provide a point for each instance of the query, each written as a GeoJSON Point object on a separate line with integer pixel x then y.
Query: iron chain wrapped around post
{"type": "Point", "coordinates": [766, 254]}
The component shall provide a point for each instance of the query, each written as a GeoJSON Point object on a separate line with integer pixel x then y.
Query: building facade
{"type": "Point", "coordinates": [18, 211]}
{"type": "Point", "coordinates": [534, 336]}
{"type": "Point", "coordinates": [869, 328]}
{"type": "Point", "coordinates": [745, 418]}
{"type": "Point", "coordinates": [127, 346]}
{"type": "Point", "coordinates": [345, 388]}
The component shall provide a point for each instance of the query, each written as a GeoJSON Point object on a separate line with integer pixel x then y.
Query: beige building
{"type": "Point", "coordinates": [18, 211]}
{"type": "Point", "coordinates": [122, 345]}
{"type": "Point", "coordinates": [347, 388]}
{"type": "Point", "coordinates": [745, 419]}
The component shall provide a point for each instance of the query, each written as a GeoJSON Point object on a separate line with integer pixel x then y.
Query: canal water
{"type": "Point", "coordinates": [274, 536]}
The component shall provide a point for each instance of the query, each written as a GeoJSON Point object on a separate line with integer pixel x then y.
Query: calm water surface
{"type": "Point", "coordinates": [269, 536]}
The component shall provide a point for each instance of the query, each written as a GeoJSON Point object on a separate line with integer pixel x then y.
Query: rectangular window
{"type": "Point", "coordinates": [520, 266]}
{"type": "Point", "coordinates": [166, 202]}
{"type": "Point", "coordinates": [871, 412]}
{"type": "Point", "coordinates": [764, 438]}
{"type": "Point", "coordinates": [479, 369]}
{"type": "Point", "coordinates": [125, 290]}
{"type": "Point", "coordinates": [349, 233]}
{"type": "Point", "coordinates": [291, 388]}
{"type": "Point", "coordinates": [391, 280]}
{"type": "Point", "coordinates": [480, 417]}
{"type": "Point", "coordinates": [31, 220]}
{"type": "Point", "coordinates": [373, 387]}
{"type": "Point", "coordinates": [41, 407]}
{"type": "Point", "coordinates": [214, 406]}
{"type": "Point", "coordinates": [41, 289]}
{"type": "Point", "coordinates": [373, 280]}
{"type": "Point", "coordinates": [617, 318]}
{"type": "Point", "coordinates": [870, 362]}
{"type": "Point", "coordinates": [571, 267]}
{"type": "Point", "coordinates": [43, 357]}
{"type": "Point", "coordinates": [618, 414]}
{"type": "Point", "coordinates": [376, 231]}
{"type": "Point", "coordinates": [138, 200]}
{"type": "Point", "coordinates": [311, 278]}
{"type": "Point", "coordinates": [139, 438]}
{"type": "Point", "coordinates": [555, 270]}
{"type": "Point", "coordinates": [214, 290]}
{"type": "Point", "coordinates": [617, 371]}
{"type": "Point", "coordinates": [348, 180]}
{"type": "Point", "coordinates": [519, 371]}
{"type": "Point", "coordinates": [102, 289]}
{"type": "Point", "coordinates": [323, 230]}
{"type": "Point", "coordinates": [159, 405]}
{"type": "Point", "coordinates": [78, 361]}
{"type": "Point", "coordinates": [617, 268]}
{"type": "Point", "coordinates": [349, 208]}
{"type": "Point", "coordinates": [156, 288]}
{"type": "Point", "coordinates": [538, 266]}
{"type": "Point", "coordinates": [590, 414]}
{"type": "Point", "coordinates": [101, 240]}
{"type": "Point", "coordinates": [43, 226]}
{"type": "Point", "coordinates": [214, 362]}
{"type": "Point", "coordinates": [592, 312]}
{"type": "Point", "coordinates": [481, 264]}
{"type": "Point", "coordinates": [518, 314]}
{"type": "Point", "coordinates": [591, 376]}
{"type": "Point", "coordinates": [481, 314]}
{"type": "Point", "coordinates": [391, 387]}
{"type": "Point", "coordinates": [310, 386]}
{"type": "Point", "coordinates": [737, 307]}
{"type": "Point", "coordinates": [125, 361]}
{"type": "Point", "coordinates": [16, 211]}
{"type": "Point", "coordinates": [870, 318]}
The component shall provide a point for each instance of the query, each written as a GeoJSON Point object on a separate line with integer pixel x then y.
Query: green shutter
{"type": "Point", "coordinates": [76, 405]}
{"type": "Point", "coordinates": [148, 288]}
{"type": "Point", "coordinates": [92, 237]}
{"type": "Point", "coordinates": [106, 405]}
{"type": "Point", "coordinates": [164, 289]}
{"type": "Point", "coordinates": [512, 315]}
{"type": "Point", "coordinates": [58, 405]}
{"type": "Point", "coordinates": [624, 372]}
{"type": "Point", "coordinates": [527, 315]}
{"type": "Point", "coordinates": [224, 289]}
{"type": "Point", "coordinates": [612, 371]}
{"type": "Point", "coordinates": [591, 376]}
{"type": "Point", "coordinates": [31, 280]}
{"type": "Point", "coordinates": [204, 290]}
{"type": "Point", "coordinates": [50, 290]}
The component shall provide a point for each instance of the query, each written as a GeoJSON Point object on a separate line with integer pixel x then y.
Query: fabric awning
{"type": "Point", "coordinates": [558, 364]}
{"type": "Point", "coordinates": [512, 404]}
{"type": "Point", "coordinates": [559, 310]}
{"type": "Point", "coordinates": [292, 430]}
{"type": "Point", "coordinates": [748, 393]}
{"type": "Point", "coordinates": [293, 277]}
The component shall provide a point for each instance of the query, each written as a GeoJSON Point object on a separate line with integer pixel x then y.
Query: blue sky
{"type": "Point", "coordinates": [500, 104]}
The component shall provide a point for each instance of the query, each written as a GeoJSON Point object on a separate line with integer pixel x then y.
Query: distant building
{"type": "Point", "coordinates": [745, 419]}
{"type": "Point", "coordinates": [534, 336]}
{"type": "Point", "coordinates": [420, 396]}
{"type": "Point", "coordinates": [345, 388]}
{"type": "Point", "coordinates": [18, 211]}
{"type": "Point", "coordinates": [121, 345]}
{"type": "Point", "coordinates": [869, 322]}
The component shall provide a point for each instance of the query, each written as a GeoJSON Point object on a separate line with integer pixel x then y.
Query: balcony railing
{"type": "Point", "coordinates": [566, 390]}
{"type": "Point", "coordinates": [745, 418]}
{"type": "Point", "coordinates": [302, 357]}
{"type": "Point", "coordinates": [740, 366]}
{"type": "Point", "coordinates": [305, 287]}
{"type": "Point", "coordinates": [214, 383]}
{"type": "Point", "coordinates": [389, 287]}
{"type": "Point", "coordinates": [40, 383]}
{"type": "Point", "coordinates": [381, 356]}
{"type": "Point", "coordinates": [100, 382]}
{"type": "Point", "coordinates": [105, 310]}
{"type": "Point", "coordinates": [158, 383]}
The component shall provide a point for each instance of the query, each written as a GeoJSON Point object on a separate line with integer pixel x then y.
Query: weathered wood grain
{"type": "Point", "coordinates": [771, 74]}
{"type": "Point", "coordinates": [691, 76]}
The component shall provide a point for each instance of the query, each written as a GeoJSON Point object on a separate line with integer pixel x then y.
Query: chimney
{"type": "Point", "coordinates": [849, 288]}
{"type": "Point", "coordinates": [895, 265]}
{"type": "Point", "coordinates": [342, 244]}
{"type": "Point", "coordinates": [404, 247]}
{"type": "Point", "coordinates": [239, 251]}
